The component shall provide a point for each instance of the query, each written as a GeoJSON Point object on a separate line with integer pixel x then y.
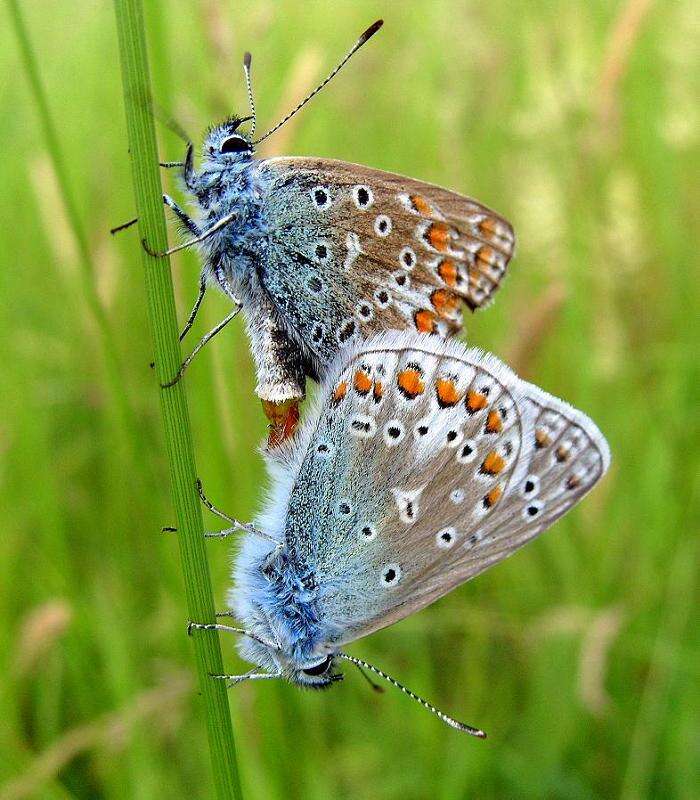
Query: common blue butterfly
{"type": "Point", "coordinates": [320, 253]}
{"type": "Point", "coordinates": [422, 464]}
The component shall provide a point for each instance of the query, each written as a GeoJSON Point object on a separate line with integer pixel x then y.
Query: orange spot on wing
{"type": "Point", "coordinates": [493, 497]}
{"type": "Point", "coordinates": [475, 401]}
{"type": "Point", "coordinates": [340, 391]}
{"type": "Point", "coordinates": [494, 423]}
{"type": "Point", "coordinates": [573, 482]}
{"type": "Point", "coordinates": [362, 382]}
{"type": "Point", "coordinates": [486, 255]}
{"type": "Point", "coordinates": [425, 321]}
{"type": "Point", "coordinates": [421, 205]}
{"type": "Point", "coordinates": [447, 394]}
{"type": "Point", "coordinates": [487, 226]}
{"type": "Point", "coordinates": [378, 391]}
{"type": "Point", "coordinates": [541, 438]}
{"type": "Point", "coordinates": [410, 383]}
{"type": "Point", "coordinates": [447, 270]}
{"type": "Point", "coordinates": [438, 235]}
{"type": "Point", "coordinates": [561, 454]}
{"type": "Point", "coordinates": [492, 464]}
{"type": "Point", "coordinates": [445, 303]}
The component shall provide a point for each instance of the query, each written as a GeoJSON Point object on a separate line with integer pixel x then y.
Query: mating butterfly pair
{"type": "Point", "coordinates": [423, 462]}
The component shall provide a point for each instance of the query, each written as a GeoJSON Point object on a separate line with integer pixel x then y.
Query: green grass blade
{"type": "Point", "coordinates": [161, 310]}
{"type": "Point", "coordinates": [53, 146]}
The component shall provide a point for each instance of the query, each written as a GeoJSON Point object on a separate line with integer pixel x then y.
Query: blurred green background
{"type": "Point", "coordinates": [577, 120]}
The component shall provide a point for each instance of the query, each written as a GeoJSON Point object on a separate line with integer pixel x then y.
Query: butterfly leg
{"type": "Point", "coordinates": [207, 534]}
{"type": "Point", "coordinates": [217, 226]}
{"type": "Point", "coordinates": [124, 226]}
{"type": "Point", "coordinates": [235, 524]}
{"type": "Point", "coordinates": [200, 344]}
{"type": "Point", "coordinates": [195, 307]}
{"type": "Point", "coordinates": [215, 626]}
{"type": "Point", "coordinates": [184, 218]}
{"type": "Point", "coordinates": [234, 680]}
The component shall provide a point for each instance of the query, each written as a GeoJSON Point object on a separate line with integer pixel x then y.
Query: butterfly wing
{"type": "Point", "coordinates": [397, 252]}
{"type": "Point", "coordinates": [424, 464]}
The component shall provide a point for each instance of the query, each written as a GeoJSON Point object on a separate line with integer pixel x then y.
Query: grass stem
{"type": "Point", "coordinates": [163, 322]}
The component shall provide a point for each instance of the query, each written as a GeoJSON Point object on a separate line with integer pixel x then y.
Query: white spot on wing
{"type": "Point", "coordinates": [394, 432]}
{"type": "Point", "coordinates": [530, 486]}
{"type": "Point", "coordinates": [366, 533]}
{"type": "Point", "coordinates": [363, 426]}
{"type": "Point", "coordinates": [382, 225]}
{"type": "Point", "coordinates": [364, 311]}
{"type": "Point", "coordinates": [407, 258]}
{"type": "Point", "coordinates": [362, 196]}
{"type": "Point", "coordinates": [407, 503]}
{"type": "Point", "coordinates": [467, 452]}
{"type": "Point", "coordinates": [445, 538]}
{"type": "Point", "coordinates": [382, 297]}
{"type": "Point", "coordinates": [352, 243]}
{"type": "Point", "coordinates": [457, 496]}
{"type": "Point", "coordinates": [391, 575]}
{"type": "Point", "coordinates": [532, 509]}
{"type": "Point", "coordinates": [320, 197]}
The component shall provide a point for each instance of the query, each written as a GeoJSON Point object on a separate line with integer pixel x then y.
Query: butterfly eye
{"type": "Point", "coordinates": [235, 144]}
{"type": "Point", "coordinates": [320, 668]}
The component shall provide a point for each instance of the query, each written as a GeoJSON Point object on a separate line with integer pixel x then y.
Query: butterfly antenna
{"type": "Point", "coordinates": [365, 37]}
{"type": "Point", "coordinates": [249, 86]}
{"type": "Point", "coordinates": [170, 123]}
{"type": "Point", "coordinates": [453, 723]}
{"type": "Point", "coordinates": [375, 686]}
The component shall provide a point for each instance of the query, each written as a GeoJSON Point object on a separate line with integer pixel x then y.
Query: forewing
{"type": "Point", "coordinates": [426, 463]}
{"type": "Point", "coordinates": [399, 253]}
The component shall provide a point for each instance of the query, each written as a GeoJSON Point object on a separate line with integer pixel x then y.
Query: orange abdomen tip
{"type": "Point", "coordinates": [284, 418]}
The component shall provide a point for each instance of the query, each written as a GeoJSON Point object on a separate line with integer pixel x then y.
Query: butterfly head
{"type": "Point", "coordinates": [318, 675]}
{"type": "Point", "coordinates": [309, 671]}
{"type": "Point", "coordinates": [226, 145]}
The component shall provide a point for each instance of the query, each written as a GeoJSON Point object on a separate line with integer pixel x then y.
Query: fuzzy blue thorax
{"type": "Point", "coordinates": [291, 601]}
{"type": "Point", "coordinates": [281, 607]}
{"type": "Point", "coordinates": [231, 181]}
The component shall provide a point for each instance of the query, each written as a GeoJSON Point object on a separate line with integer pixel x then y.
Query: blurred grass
{"type": "Point", "coordinates": [578, 656]}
